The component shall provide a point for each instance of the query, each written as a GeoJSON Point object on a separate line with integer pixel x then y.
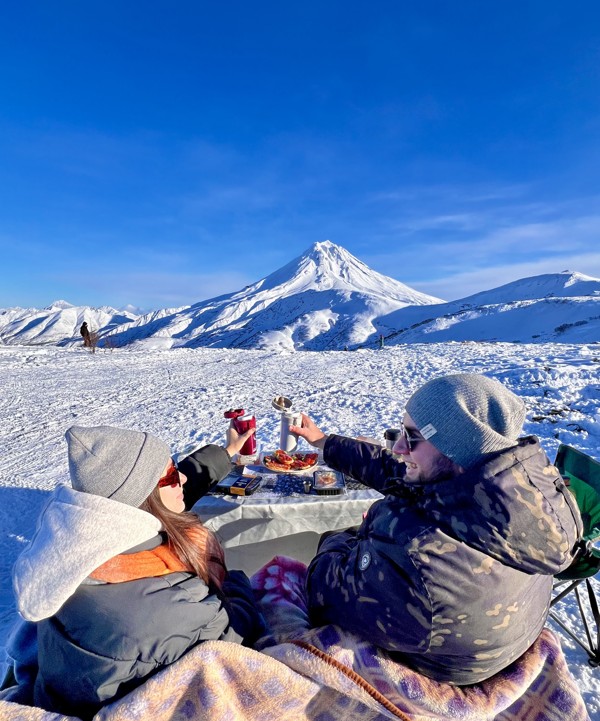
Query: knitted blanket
{"type": "Point", "coordinates": [326, 674]}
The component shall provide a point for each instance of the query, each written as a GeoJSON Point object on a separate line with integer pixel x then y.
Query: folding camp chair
{"type": "Point", "coordinates": [582, 475]}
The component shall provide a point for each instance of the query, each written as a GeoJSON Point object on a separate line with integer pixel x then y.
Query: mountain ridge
{"type": "Point", "coordinates": [327, 299]}
{"type": "Point", "coordinates": [57, 324]}
{"type": "Point", "coordinates": [561, 306]}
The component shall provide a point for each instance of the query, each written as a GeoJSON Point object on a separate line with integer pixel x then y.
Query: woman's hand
{"type": "Point", "coordinates": [236, 440]}
{"type": "Point", "coordinates": [310, 432]}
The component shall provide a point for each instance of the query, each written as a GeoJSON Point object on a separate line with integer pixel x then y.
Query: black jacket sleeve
{"type": "Point", "coordinates": [365, 462]}
{"type": "Point", "coordinates": [242, 609]}
{"type": "Point", "coordinates": [203, 468]}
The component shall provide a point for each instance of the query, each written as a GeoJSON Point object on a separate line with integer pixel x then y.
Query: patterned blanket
{"type": "Point", "coordinates": [536, 687]}
{"type": "Point", "coordinates": [326, 675]}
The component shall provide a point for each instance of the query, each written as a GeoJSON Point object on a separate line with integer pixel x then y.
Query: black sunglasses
{"type": "Point", "coordinates": [411, 441]}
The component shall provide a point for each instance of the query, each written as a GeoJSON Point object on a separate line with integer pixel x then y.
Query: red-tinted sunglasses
{"type": "Point", "coordinates": [171, 478]}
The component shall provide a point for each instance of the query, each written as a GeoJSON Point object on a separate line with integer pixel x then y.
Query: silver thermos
{"type": "Point", "coordinates": [288, 441]}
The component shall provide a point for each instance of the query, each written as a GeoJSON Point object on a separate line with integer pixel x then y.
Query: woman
{"type": "Point", "coordinates": [118, 581]}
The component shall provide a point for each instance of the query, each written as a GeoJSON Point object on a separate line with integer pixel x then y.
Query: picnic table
{"type": "Point", "coordinates": [280, 518]}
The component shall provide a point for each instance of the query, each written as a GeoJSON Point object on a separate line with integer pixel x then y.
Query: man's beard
{"type": "Point", "coordinates": [443, 469]}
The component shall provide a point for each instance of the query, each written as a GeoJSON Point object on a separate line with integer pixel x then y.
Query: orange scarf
{"type": "Point", "coordinates": [143, 564]}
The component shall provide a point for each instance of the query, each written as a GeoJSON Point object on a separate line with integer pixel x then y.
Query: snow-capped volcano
{"type": "Point", "coordinates": [326, 266]}
{"type": "Point", "coordinates": [324, 299]}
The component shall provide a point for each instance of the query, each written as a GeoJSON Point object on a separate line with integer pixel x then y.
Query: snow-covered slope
{"type": "Point", "coordinates": [324, 299]}
{"type": "Point", "coordinates": [58, 324]}
{"type": "Point", "coordinates": [562, 307]}
{"type": "Point", "coordinates": [329, 300]}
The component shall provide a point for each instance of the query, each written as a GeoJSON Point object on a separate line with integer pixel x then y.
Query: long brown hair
{"type": "Point", "coordinates": [192, 543]}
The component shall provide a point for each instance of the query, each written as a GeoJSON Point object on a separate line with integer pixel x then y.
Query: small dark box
{"type": "Point", "coordinates": [245, 486]}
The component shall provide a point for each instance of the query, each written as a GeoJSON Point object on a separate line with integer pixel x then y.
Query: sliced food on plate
{"type": "Point", "coordinates": [283, 462]}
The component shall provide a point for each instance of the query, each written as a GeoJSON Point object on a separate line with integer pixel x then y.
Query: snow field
{"type": "Point", "coordinates": [180, 396]}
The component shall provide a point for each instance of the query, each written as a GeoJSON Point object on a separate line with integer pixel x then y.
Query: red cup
{"type": "Point", "coordinates": [234, 413]}
{"type": "Point", "coordinates": [241, 424]}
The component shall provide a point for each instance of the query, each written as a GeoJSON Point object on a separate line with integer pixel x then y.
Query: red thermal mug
{"type": "Point", "coordinates": [241, 425]}
{"type": "Point", "coordinates": [242, 422]}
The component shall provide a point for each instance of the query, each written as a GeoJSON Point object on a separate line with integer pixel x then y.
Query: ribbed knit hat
{"type": "Point", "coordinates": [466, 416]}
{"type": "Point", "coordinates": [115, 463]}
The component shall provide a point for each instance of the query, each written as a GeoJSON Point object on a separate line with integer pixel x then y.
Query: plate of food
{"type": "Point", "coordinates": [282, 462]}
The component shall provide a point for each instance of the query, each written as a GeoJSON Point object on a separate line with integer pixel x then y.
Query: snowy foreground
{"type": "Point", "coordinates": [180, 396]}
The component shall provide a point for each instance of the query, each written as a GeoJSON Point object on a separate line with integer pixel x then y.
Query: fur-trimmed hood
{"type": "Point", "coordinates": [76, 532]}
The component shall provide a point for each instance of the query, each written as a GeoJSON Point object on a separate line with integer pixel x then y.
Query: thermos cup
{"type": "Point", "coordinates": [391, 435]}
{"type": "Point", "coordinates": [242, 422]}
{"type": "Point", "coordinates": [288, 441]}
{"type": "Point", "coordinates": [241, 425]}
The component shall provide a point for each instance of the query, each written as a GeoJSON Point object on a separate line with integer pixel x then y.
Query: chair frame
{"type": "Point", "coordinates": [582, 464]}
{"type": "Point", "coordinates": [592, 648]}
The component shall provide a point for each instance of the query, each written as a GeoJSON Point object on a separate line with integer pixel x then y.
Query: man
{"type": "Point", "coordinates": [453, 569]}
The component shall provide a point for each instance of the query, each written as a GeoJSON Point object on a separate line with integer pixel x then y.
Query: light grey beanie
{"type": "Point", "coordinates": [466, 416]}
{"type": "Point", "coordinates": [115, 463]}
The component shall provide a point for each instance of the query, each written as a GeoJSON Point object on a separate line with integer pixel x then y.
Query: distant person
{"type": "Point", "coordinates": [453, 569]}
{"type": "Point", "coordinates": [117, 581]}
{"type": "Point", "coordinates": [85, 334]}
{"type": "Point", "coordinates": [381, 341]}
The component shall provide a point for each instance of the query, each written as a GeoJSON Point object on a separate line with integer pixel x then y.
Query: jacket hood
{"type": "Point", "coordinates": [76, 532]}
{"type": "Point", "coordinates": [514, 508]}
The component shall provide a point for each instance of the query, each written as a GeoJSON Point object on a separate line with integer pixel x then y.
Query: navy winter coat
{"type": "Point", "coordinates": [97, 641]}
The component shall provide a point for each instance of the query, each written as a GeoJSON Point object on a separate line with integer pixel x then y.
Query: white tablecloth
{"type": "Point", "coordinates": [254, 529]}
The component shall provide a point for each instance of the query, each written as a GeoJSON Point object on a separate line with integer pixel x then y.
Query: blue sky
{"type": "Point", "coordinates": [160, 153]}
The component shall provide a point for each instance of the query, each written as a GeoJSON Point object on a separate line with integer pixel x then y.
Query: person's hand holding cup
{"type": "Point", "coordinates": [310, 432]}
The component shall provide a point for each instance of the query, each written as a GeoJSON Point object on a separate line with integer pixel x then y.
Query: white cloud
{"type": "Point", "coordinates": [449, 194]}
{"type": "Point", "coordinates": [452, 263]}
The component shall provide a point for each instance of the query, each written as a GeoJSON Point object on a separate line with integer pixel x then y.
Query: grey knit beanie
{"type": "Point", "coordinates": [466, 416]}
{"type": "Point", "coordinates": [115, 463]}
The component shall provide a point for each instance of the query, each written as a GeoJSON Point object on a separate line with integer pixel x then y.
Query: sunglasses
{"type": "Point", "coordinates": [171, 478]}
{"type": "Point", "coordinates": [411, 441]}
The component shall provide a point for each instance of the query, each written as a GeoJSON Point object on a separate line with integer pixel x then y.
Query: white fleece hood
{"type": "Point", "coordinates": [76, 532]}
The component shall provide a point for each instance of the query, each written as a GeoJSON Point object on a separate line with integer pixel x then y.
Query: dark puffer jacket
{"type": "Point", "coordinates": [455, 576]}
{"type": "Point", "coordinates": [148, 624]}
{"type": "Point", "coordinates": [96, 641]}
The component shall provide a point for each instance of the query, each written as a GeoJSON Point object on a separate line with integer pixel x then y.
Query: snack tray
{"type": "Point", "coordinates": [328, 483]}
